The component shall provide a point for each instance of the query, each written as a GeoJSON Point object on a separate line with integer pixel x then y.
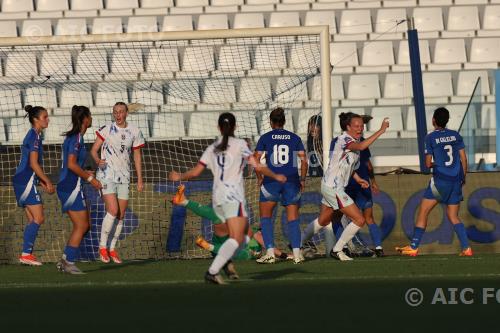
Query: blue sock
{"type": "Point", "coordinates": [266, 224]}
{"type": "Point", "coordinates": [294, 233]}
{"type": "Point", "coordinates": [71, 253]}
{"type": "Point", "coordinates": [462, 235]}
{"type": "Point", "coordinates": [375, 234]}
{"type": "Point", "coordinates": [417, 237]}
{"type": "Point", "coordinates": [337, 229]}
{"type": "Point", "coordinates": [30, 233]}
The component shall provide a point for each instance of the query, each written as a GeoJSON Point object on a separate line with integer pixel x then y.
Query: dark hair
{"type": "Point", "coordinates": [121, 103]}
{"type": "Point", "coordinates": [78, 114]}
{"type": "Point", "coordinates": [346, 117]}
{"type": "Point", "coordinates": [227, 124]}
{"type": "Point", "coordinates": [277, 117]}
{"type": "Point", "coordinates": [314, 120]}
{"type": "Point", "coordinates": [441, 116]}
{"type": "Point", "coordinates": [33, 112]}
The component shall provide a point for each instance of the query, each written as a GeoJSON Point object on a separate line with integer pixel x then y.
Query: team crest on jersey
{"type": "Point", "coordinates": [123, 136]}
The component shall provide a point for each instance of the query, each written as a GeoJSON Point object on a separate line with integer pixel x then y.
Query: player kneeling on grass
{"type": "Point", "coordinates": [226, 159]}
{"type": "Point", "coordinates": [445, 154]}
{"type": "Point", "coordinates": [344, 159]}
{"type": "Point", "coordinates": [69, 188]}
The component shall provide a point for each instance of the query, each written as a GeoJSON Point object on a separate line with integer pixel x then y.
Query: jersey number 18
{"type": "Point", "coordinates": [280, 154]}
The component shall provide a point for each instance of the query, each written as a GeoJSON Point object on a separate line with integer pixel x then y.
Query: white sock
{"type": "Point", "coordinates": [345, 221]}
{"type": "Point", "coordinates": [310, 230]}
{"type": "Point", "coordinates": [211, 247]}
{"type": "Point", "coordinates": [346, 236]}
{"type": "Point", "coordinates": [107, 225]}
{"type": "Point", "coordinates": [296, 252]}
{"type": "Point", "coordinates": [329, 239]}
{"type": "Point", "coordinates": [270, 252]}
{"type": "Point", "coordinates": [226, 252]}
{"type": "Point", "coordinates": [118, 231]}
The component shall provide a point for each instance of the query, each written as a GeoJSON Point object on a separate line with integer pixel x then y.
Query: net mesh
{"type": "Point", "coordinates": [175, 90]}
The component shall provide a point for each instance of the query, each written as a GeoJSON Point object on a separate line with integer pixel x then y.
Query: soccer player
{"type": "Point", "coordinates": [315, 146]}
{"type": "Point", "coordinates": [117, 140]}
{"type": "Point", "coordinates": [445, 154]}
{"type": "Point", "coordinates": [344, 159]}
{"type": "Point", "coordinates": [226, 159]}
{"type": "Point", "coordinates": [28, 173]}
{"type": "Point", "coordinates": [282, 149]}
{"type": "Point", "coordinates": [69, 188]}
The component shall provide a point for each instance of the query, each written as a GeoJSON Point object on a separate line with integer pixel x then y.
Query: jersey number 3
{"type": "Point", "coordinates": [449, 152]}
{"type": "Point", "coordinates": [280, 154]}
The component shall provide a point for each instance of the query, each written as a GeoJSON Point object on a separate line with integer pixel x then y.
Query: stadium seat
{"type": "Point", "coordinates": [141, 122]}
{"type": "Point", "coordinates": [17, 129]}
{"type": "Point", "coordinates": [119, 7]}
{"type": "Point", "coordinates": [98, 120]}
{"type": "Point", "coordinates": [219, 92]}
{"type": "Point", "coordinates": [304, 60]}
{"type": "Point", "coordinates": [395, 117]}
{"type": "Point", "coordinates": [51, 5]}
{"type": "Point", "coordinates": [203, 125]}
{"type": "Point", "coordinates": [21, 65]}
{"type": "Point", "coordinates": [13, 6]}
{"type": "Point", "coordinates": [390, 24]}
{"type": "Point", "coordinates": [302, 120]}
{"type": "Point", "coordinates": [36, 28]}
{"type": "Point", "coordinates": [58, 125]}
{"type": "Point", "coordinates": [191, 3]}
{"type": "Point", "coordinates": [484, 53]}
{"type": "Point", "coordinates": [284, 19]}
{"type": "Point", "coordinates": [491, 18]}
{"type": "Point", "coordinates": [377, 57]}
{"type": "Point", "coordinates": [162, 60]}
{"type": "Point", "coordinates": [247, 125]}
{"type": "Point", "coordinates": [269, 60]}
{"type": "Point", "coordinates": [265, 126]}
{"type": "Point", "coordinates": [253, 93]}
{"type": "Point", "coordinates": [86, 4]}
{"type": "Point", "coordinates": [8, 29]}
{"type": "Point", "coordinates": [343, 57]}
{"type": "Point", "coordinates": [363, 90]}
{"type": "Point", "coordinates": [293, 5]}
{"type": "Point", "coordinates": [3, 136]}
{"type": "Point", "coordinates": [233, 60]}
{"type": "Point", "coordinates": [337, 91]}
{"type": "Point", "coordinates": [465, 85]}
{"type": "Point", "coordinates": [397, 89]}
{"type": "Point", "coordinates": [428, 21]}
{"type": "Point", "coordinates": [40, 95]}
{"type": "Point", "coordinates": [107, 25]}
{"type": "Point", "coordinates": [442, 3]}
{"type": "Point", "coordinates": [226, 2]}
{"type": "Point", "coordinates": [76, 94]}
{"type": "Point", "coordinates": [11, 100]}
{"type": "Point", "coordinates": [183, 92]}
{"type": "Point", "coordinates": [403, 64]}
{"type": "Point", "coordinates": [326, 17]}
{"type": "Point", "coordinates": [56, 64]}
{"type": "Point", "coordinates": [177, 23]}
{"type": "Point", "coordinates": [487, 120]}
{"type": "Point", "coordinates": [400, 3]}
{"type": "Point", "coordinates": [471, 2]}
{"type": "Point", "coordinates": [438, 87]}
{"type": "Point", "coordinates": [127, 62]}
{"type": "Point", "coordinates": [292, 92]}
{"type": "Point", "coordinates": [248, 20]}
{"type": "Point", "coordinates": [154, 7]}
{"type": "Point", "coordinates": [457, 113]}
{"type": "Point", "coordinates": [411, 123]}
{"type": "Point", "coordinates": [354, 25]}
{"type": "Point", "coordinates": [147, 93]}
{"type": "Point", "coordinates": [364, 4]}
{"type": "Point", "coordinates": [142, 24]}
{"type": "Point", "coordinates": [449, 54]}
{"type": "Point", "coordinates": [109, 93]}
{"type": "Point", "coordinates": [92, 62]}
{"type": "Point", "coordinates": [168, 125]}
{"type": "Point", "coordinates": [73, 26]}
{"type": "Point", "coordinates": [328, 5]}
{"type": "Point", "coordinates": [189, 7]}
{"type": "Point", "coordinates": [214, 21]}
{"type": "Point", "coordinates": [197, 61]}
{"type": "Point", "coordinates": [462, 22]}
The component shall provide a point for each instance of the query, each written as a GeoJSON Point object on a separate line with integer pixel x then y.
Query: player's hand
{"type": "Point", "coordinates": [280, 178]}
{"type": "Point", "coordinates": [102, 164]}
{"type": "Point", "coordinates": [48, 187]}
{"type": "Point", "coordinates": [260, 180]}
{"type": "Point", "coordinates": [385, 124]}
{"type": "Point", "coordinates": [364, 183]}
{"type": "Point", "coordinates": [375, 188]}
{"type": "Point", "coordinates": [96, 184]}
{"type": "Point", "coordinates": [140, 185]}
{"type": "Point", "coordinates": [302, 185]}
{"type": "Point", "coordinates": [174, 176]}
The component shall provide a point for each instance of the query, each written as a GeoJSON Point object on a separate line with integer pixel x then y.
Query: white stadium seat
{"type": "Point", "coordinates": [247, 127]}
{"type": "Point", "coordinates": [142, 24]}
{"type": "Point", "coordinates": [302, 120]}
{"type": "Point", "coordinates": [56, 64]}
{"type": "Point", "coordinates": [141, 122]}
{"type": "Point", "coordinates": [269, 59]}
{"type": "Point", "coordinates": [51, 5]}
{"type": "Point", "coordinates": [76, 94]}
{"type": "Point", "coordinates": [122, 4]}
{"type": "Point", "coordinates": [11, 100]}
{"type": "Point", "coordinates": [462, 22]}
{"type": "Point", "coordinates": [465, 85]}
{"type": "Point", "coordinates": [437, 87]}
{"type": "Point", "coordinates": [147, 93]}
{"type": "Point", "coordinates": [491, 18]}
{"type": "Point", "coordinates": [36, 28]}
{"type": "Point", "coordinates": [72, 26]}
{"type": "Point", "coordinates": [248, 20]}
{"type": "Point", "coordinates": [304, 59]}
{"type": "Point", "coordinates": [177, 23]}
{"type": "Point", "coordinates": [8, 29]}
{"type": "Point", "coordinates": [203, 125]}
{"type": "Point", "coordinates": [326, 17]}
{"type": "Point", "coordinates": [198, 59]}
{"type": "Point", "coordinates": [11, 6]}
{"type": "Point", "coordinates": [395, 117]}
{"type": "Point", "coordinates": [343, 57]}
{"type": "Point", "coordinates": [284, 19]}
{"type": "Point", "coordinates": [219, 91]}
{"type": "Point", "coordinates": [449, 54]}
{"type": "Point", "coordinates": [58, 125]}
{"type": "Point", "coordinates": [183, 92]}
{"type": "Point", "coordinates": [403, 64]}
{"type": "Point", "coordinates": [354, 25]}
{"type": "Point", "coordinates": [397, 89]}
{"type": "Point", "coordinates": [484, 53]}
{"type": "Point", "coordinates": [191, 3]}
{"type": "Point", "coordinates": [20, 65]}
{"type": "Point", "coordinates": [337, 89]}
{"type": "Point", "coordinates": [109, 93]}
{"type": "Point", "coordinates": [234, 59]}
{"type": "Point", "coordinates": [162, 60]}
{"type": "Point", "coordinates": [17, 129]}
{"type": "Point", "coordinates": [363, 90]}
{"type": "Point", "coordinates": [127, 61]}
{"type": "Point", "coordinates": [377, 57]}
{"type": "Point", "coordinates": [3, 136]}
{"type": "Point", "coordinates": [428, 21]}
{"type": "Point", "coordinates": [215, 21]}
{"type": "Point", "coordinates": [44, 96]}
{"type": "Point", "coordinates": [91, 62]}
{"type": "Point", "coordinates": [156, 3]}
{"type": "Point", "coordinates": [253, 92]}
{"type": "Point", "coordinates": [168, 125]}
{"type": "Point", "coordinates": [86, 4]}
{"type": "Point", "coordinates": [291, 92]}
{"type": "Point", "coordinates": [107, 25]}
{"type": "Point", "coordinates": [388, 24]}
{"type": "Point", "coordinates": [488, 120]}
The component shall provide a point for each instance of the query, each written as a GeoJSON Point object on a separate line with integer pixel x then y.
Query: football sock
{"type": "Point", "coordinates": [417, 237]}
{"type": "Point", "coordinates": [294, 233]}
{"type": "Point", "coordinates": [107, 225]}
{"type": "Point", "coordinates": [375, 234]}
{"type": "Point", "coordinates": [226, 252]}
{"type": "Point", "coordinates": [311, 229]}
{"type": "Point", "coordinates": [266, 224]}
{"type": "Point", "coordinates": [70, 254]}
{"type": "Point", "coordinates": [346, 236]}
{"type": "Point", "coordinates": [462, 235]}
{"type": "Point", "coordinates": [30, 233]}
{"type": "Point", "coordinates": [203, 211]}
{"type": "Point", "coordinates": [345, 220]}
{"type": "Point", "coordinates": [217, 242]}
{"type": "Point", "coordinates": [329, 238]}
{"type": "Point", "coordinates": [118, 231]}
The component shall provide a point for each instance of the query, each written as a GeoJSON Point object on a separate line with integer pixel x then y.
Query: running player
{"type": "Point", "coordinates": [445, 154]}
{"type": "Point", "coordinates": [117, 139]}
{"type": "Point", "coordinates": [226, 159]}
{"type": "Point", "coordinates": [69, 188]}
{"type": "Point", "coordinates": [282, 150]}
{"type": "Point", "coordinates": [344, 159]}
{"type": "Point", "coordinates": [28, 174]}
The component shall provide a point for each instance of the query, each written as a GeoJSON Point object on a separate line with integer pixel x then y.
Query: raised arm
{"type": "Point", "coordinates": [264, 170]}
{"type": "Point", "coordinates": [371, 139]}
{"type": "Point", "coordinates": [138, 169]}
{"type": "Point", "coordinates": [193, 173]}
{"type": "Point", "coordinates": [46, 183]}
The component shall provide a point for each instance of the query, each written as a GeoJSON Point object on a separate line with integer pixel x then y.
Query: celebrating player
{"type": "Point", "coordinates": [117, 141]}
{"type": "Point", "coordinates": [226, 158]}
{"type": "Point", "coordinates": [344, 159]}
{"type": "Point", "coordinates": [445, 154]}
{"type": "Point", "coordinates": [28, 173]}
{"type": "Point", "coordinates": [282, 150]}
{"type": "Point", "coordinates": [69, 187]}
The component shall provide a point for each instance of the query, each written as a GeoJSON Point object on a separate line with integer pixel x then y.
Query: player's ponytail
{"type": "Point", "coordinates": [78, 115]}
{"type": "Point", "coordinates": [33, 112]}
{"type": "Point", "coordinates": [227, 124]}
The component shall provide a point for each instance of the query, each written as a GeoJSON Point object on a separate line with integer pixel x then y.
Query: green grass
{"type": "Point", "coordinates": [318, 295]}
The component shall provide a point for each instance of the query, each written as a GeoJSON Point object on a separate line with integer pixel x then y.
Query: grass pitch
{"type": "Point", "coordinates": [321, 294]}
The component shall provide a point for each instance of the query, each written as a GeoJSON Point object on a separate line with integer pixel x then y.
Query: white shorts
{"type": "Point", "coordinates": [230, 209]}
{"type": "Point", "coordinates": [335, 198]}
{"type": "Point", "coordinates": [120, 189]}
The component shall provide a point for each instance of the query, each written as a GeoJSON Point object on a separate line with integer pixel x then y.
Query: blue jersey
{"type": "Point", "coordinates": [73, 145]}
{"type": "Point", "coordinates": [281, 148]}
{"type": "Point", "coordinates": [444, 146]}
{"type": "Point", "coordinates": [32, 142]}
{"type": "Point", "coordinates": [362, 171]}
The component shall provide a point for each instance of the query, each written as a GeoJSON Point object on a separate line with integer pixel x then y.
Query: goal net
{"type": "Point", "coordinates": [175, 90]}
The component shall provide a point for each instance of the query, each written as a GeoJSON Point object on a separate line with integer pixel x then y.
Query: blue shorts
{"type": "Point", "coordinates": [362, 197]}
{"type": "Point", "coordinates": [27, 195]}
{"type": "Point", "coordinates": [446, 192]}
{"type": "Point", "coordinates": [287, 193]}
{"type": "Point", "coordinates": [74, 201]}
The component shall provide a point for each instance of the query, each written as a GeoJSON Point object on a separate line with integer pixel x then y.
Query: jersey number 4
{"type": "Point", "coordinates": [280, 154]}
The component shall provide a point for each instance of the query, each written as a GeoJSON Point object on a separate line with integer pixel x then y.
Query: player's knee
{"type": "Point", "coordinates": [359, 220]}
{"type": "Point", "coordinates": [39, 219]}
{"type": "Point", "coordinates": [112, 211]}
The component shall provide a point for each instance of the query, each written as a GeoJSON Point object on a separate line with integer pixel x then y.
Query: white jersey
{"type": "Point", "coordinates": [343, 162]}
{"type": "Point", "coordinates": [116, 149]}
{"type": "Point", "coordinates": [227, 168]}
